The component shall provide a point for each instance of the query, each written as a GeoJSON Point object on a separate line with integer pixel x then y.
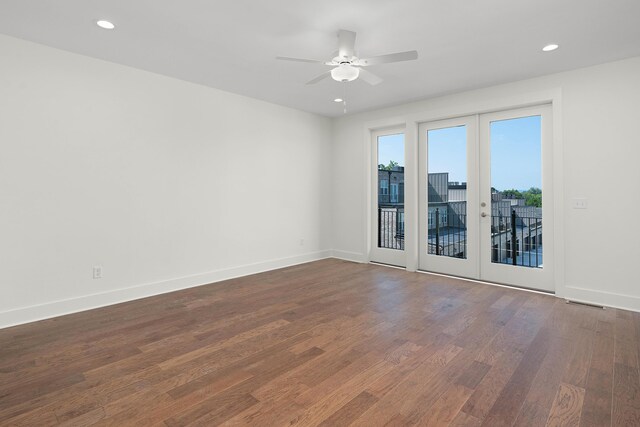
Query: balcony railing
{"type": "Point", "coordinates": [516, 240]}
{"type": "Point", "coordinates": [391, 199]}
{"type": "Point", "coordinates": [447, 235]}
{"type": "Point", "coordinates": [391, 227]}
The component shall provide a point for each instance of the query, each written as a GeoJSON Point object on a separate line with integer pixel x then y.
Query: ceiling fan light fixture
{"type": "Point", "coordinates": [345, 73]}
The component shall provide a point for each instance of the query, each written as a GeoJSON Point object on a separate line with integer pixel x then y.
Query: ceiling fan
{"type": "Point", "coordinates": [348, 67]}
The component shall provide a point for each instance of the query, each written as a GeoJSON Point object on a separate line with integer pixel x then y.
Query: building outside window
{"type": "Point", "coordinates": [384, 187]}
{"type": "Point", "coordinates": [394, 193]}
{"type": "Point", "coordinates": [442, 216]}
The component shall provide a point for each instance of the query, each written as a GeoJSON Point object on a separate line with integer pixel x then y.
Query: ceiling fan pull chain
{"type": "Point", "coordinates": [344, 97]}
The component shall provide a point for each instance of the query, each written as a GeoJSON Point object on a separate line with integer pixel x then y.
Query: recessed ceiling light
{"type": "Point", "coordinates": [337, 100]}
{"type": "Point", "coordinates": [550, 47]}
{"type": "Point", "coordinates": [107, 25]}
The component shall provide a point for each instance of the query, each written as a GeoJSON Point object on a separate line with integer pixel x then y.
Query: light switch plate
{"type": "Point", "coordinates": [580, 203]}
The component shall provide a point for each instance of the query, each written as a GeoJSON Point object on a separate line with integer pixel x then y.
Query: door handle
{"type": "Point", "coordinates": [483, 214]}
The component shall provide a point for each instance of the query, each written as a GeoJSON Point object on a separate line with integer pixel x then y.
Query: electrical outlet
{"type": "Point", "coordinates": [97, 272]}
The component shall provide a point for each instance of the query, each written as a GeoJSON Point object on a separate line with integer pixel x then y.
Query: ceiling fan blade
{"type": "Point", "coordinates": [286, 58]}
{"type": "Point", "coordinates": [369, 77]}
{"type": "Point", "coordinates": [392, 57]}
{"type": "Point", "coordinates": [346, 44]}
{"type": "Point", "coordinates": [320, 77]}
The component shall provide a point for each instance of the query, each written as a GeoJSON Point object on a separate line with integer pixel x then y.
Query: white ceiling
{"type": "Point", "coordinates": [231, 44]}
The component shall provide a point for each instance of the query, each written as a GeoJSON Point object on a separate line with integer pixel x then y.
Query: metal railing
{"type": "Point", "coordinates": [447, 236]}
{"type": "Point", "coordinates": [516, 240]}
{"type": "Point", "coordinates": [391, 199]}
{"type": "Point", "coordinates": [391, 227]}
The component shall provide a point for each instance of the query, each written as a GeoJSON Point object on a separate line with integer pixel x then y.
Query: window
{"type": "Point", "coordinates": [394, 193]}
{"type": "Point", "coordinates": [384, 187]}
{"type": "Point", "coordinates": [442, 217]}
{"type": "Point", "coordinates": [390, 178]}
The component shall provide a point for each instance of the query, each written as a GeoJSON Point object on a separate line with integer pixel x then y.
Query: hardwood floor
{"type": "Point", "coordinates": [328, 343]}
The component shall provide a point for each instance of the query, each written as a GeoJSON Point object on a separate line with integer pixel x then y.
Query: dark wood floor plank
{"type": "Point", "coordinates": [409, 393]}
{"type": "Point", "coordinates": [578, 369]}
{"type": "Point", "coordinates": [567, 406]}
{"type": "Point", "coordinates": [326, 343]}
{"type": "Point", "coordinates": [350, 411]}
{"type": "Point", "coordinates": [597, 407]}
{"type": "Point", "coordinates": [158, 409]}
{"type": "Point", "coordinates": [447, 407]}
{"type": "Point", "coordinates": [332, 401]}
{"type": "Point", "coordinates": [625, 340]}
{"type": "Point", "coordinates": [505, 352]}
{"type": "Point", "coordinates": [538, 402]}
{"type": "Point", "coordinates": [490, 387]}
{"type": "Point", "coordinates": [626, 395]}
{"type": "Point", "coordinates": [512, 396]}
{"type": "Point", "coordinates": [465, 420]}
{"type": "Point", "coordinates": [472, 376]}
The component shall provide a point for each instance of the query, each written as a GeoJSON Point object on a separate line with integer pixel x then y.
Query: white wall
{"type": "Point", "coordinates": [163, 183]}
{"type": "Point", "coordinates": [600, 133]}
{"type": "Point", "coordinates": [167, 184]}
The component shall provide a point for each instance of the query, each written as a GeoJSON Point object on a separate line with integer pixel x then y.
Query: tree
{"type": "Point", "coordinates": [533, 199]}
{"type": "Point", "coordinates": [391, 166]}
{"type": "Point", "coordinates": [512, 194]}
{"type": "Point", "coordinates": [532, 196]}
{"type": "Point", "coordinates": [534, 190]}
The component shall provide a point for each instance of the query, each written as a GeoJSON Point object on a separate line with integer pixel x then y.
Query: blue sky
{"type": "Point", "coordinates": [515, 153]}
{"type": "Point", "coordinates": [516, 160]}
{"type": "Point", "coordinates": [391, 147]}
{"type": "Point", "coordinates": [448, 152]}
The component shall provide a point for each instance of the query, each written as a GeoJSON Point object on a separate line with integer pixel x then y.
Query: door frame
{"type": "Point", "coordinates": [478, 102]}
{"type": "Point", "coordinates": [534, 278]}
{"type": "Point", "coordinates": [468, 267]}
{"type": "Point", "coordinates": [395, 257]}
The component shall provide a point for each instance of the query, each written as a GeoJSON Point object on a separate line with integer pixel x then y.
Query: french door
{"type": "Point", "coordinates": [486, 197]}
{"type": "Point", "coordinates": [387, 207]}
{"type": "Point", "coordinates": [448, 197]}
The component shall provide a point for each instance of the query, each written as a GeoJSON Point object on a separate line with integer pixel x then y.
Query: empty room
{"type": "Point", "coordinates": [337, 213]}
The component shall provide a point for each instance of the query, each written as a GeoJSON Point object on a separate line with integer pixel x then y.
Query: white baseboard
{"type": "Point", "coordinates": [349, 256]}
{"type": "Point", "coordinates": [88, 302]}
{"type": "Point", "coordinates": [608, 299]}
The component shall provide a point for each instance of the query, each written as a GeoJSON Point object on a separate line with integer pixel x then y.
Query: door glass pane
{"type": "Point", "coordinates": [447, 192]}
{"type": "Point", "coordinates": [516, 192]}
{"type": "Point", "coordinates": [391, 191]}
